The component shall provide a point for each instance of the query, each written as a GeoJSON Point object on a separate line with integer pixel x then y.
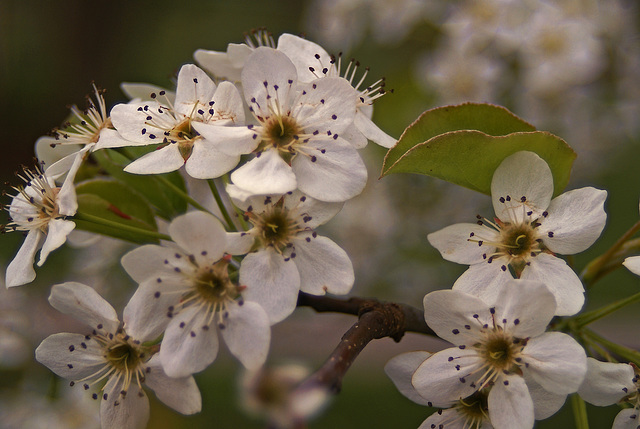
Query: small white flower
{"type": "Point", "coordinates": [171, 126]}
{"type": "Point", "coordinates": [299, 132]}
{"type": "Point", "coordinates": [187, 289]}
{"type": "Point", "coordinates": [64, 152]}
{"type": "Point", "coordinates": [289, 255]}
{"type": "Point", "coordinates": [313, 62]}
{"type": "Point", "coordinates": [40, 209]}
{"type": "Point", "coordinates": [502, 347]}
{"type": "Point", "coordinates": [608, 383]}
{"type": "Point", "coordinates": [113, 358]}
{"type": "Point", "coordinates": [528, 230]}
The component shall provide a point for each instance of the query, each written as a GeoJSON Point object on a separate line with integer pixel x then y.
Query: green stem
{"type": "Point", "coordinates": [594, 270]}
{"type": "Point", "coordinates": [579, 412]}
{"type": "Point", "coordinates": [223, 208]}
{"type": "Point", "coordinates": [181, 193]}
{"type": "Point", "coordinates": [591, 316]}
{"type": "Point", "coordinates": [625, 352]}
{"type": "Point", "coordinates": [120, 226]}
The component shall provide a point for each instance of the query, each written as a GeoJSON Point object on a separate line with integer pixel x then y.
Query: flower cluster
{"type": "Point", "coordinates": [279, 125]}
{"type": "Point", "coordinates": [506, 370]}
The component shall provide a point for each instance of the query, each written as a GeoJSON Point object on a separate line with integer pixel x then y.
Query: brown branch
{"type": "Point", "coordinates": [375, 320]}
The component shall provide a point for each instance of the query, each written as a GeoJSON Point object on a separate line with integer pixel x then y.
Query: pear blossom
{"type": "Point", "coordinates": [288, 255]}
{"type": "Point", "coordinates": [528, 230]}
{"type": "Point", "coordinates": [298, 136]}
{"type": "Point", "coordinates": [501, 348]}
{"type": "Point", "coordinates": [186, 291]}
{"type": "Point", "coordinates": [607, 383]}
{"type": "Point", "coordinates": [171, 126]}
{"type": "Point", "coordinates": [115, 355]}
{"type": "Point", "coordinates": [313, 62]}
{"type": "Point", "coordinates": [40, 209]}
{"type": "Point", "coordinates": [62, 153]}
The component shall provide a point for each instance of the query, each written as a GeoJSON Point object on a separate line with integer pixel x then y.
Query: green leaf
{"type": "Point", "coordinates": [167, 202]}
{"type": "Point", "coordinates": [488, 118]}
{"type": "Point", "coordinates": [112, 208]}
{"type": "Point", "coordinates": [469, 158]}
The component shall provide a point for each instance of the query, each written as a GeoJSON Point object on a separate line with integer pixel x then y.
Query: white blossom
{"type": "Point", "coordinates": [186, 291]}
{"type": "Point", "coordinates": [289, 256]}
{"type": "Point", "coordinates": [501, 347]}
{"type": "Point", "coordinates": [113, 358]}
{"type": "Point", "coordinates": [40, 209]}
{"type": "Point", "coordinates": [529, 229]}
{"type": "Point", "coordinates": [633, 264]}
{"type": "Point", "coordinates": [299, 132]}
{"type": "Point", "coordinates": [171, 126]}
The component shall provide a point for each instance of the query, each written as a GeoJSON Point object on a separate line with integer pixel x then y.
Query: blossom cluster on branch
{"type": "Point", "coordinates": [272, 130]}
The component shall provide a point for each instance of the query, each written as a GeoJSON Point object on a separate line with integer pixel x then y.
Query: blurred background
{"type": "Point", "coordinates": [570, 67]}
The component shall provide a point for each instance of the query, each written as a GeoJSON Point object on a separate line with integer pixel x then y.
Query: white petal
{"type": "Point", "coordinates": [271, 282]}
{"type": "Point", "coordinates": [264, 70]}
{"type": "Point", "coordinates": [85, 304]}
{"type": "Point", "coordinates": [327, 106]}
{"type": "Point", "coordinates": [239, 243]}
{"type": "Point", "coordinates": [400, 370]}
{"type": "Point", "coordinates": [50, 155]}
{"type": "Point", "coordinates": [247, 333]}
{"type": "Point", "coordinates": [575, 220]}
{"type": "Point", "coordinates": [145, 316]}
{"type": "Point", "coordinates": [563, 283]}
{"type": "Point", "coordinates": [159, 161]}
{"type": "Point", "coordinates": [70, 356]}
{"type": "Point", "coordinates": [355, 138]}
{"type": "Point", "coordinates": [523, 174]}
{"type": "Point", "coordinates": [371, 131]}
{"type": "Point", "coordinates": [525, 307]}
{"type": "Point", "coordinates": [148, 262]}
{"type": "Point", "coordinates": [131, 121]}
{"type": "Point", "coordinates": [323, 265]}
{"type": "Point", "coordinates": [633, 264]}
{"type": "Point", "coordinates": [482, 280]}
{"type": "Point", "coordinates": [208, 162]}
{"type": "Point", "coordinates": [302, 54]}
{"type": "Point", "coordinates": [56, 236]}
{"type": "Point", "coordinates": [181, 394]}
{"type": "Point", "coordinates": [454, 245]}
{"type": "Point", "coordinates": [201, 234]}
{"type": "Point", "coordinates": [627, 419]}
{"type": "Point", "coordinates": [315, 212]}
{"type": "Point", "coordinates": [110, 138]}
{"type": "Point", "coordinates": [545, 403]}
{"type": "Point", "coordinates": [228, 103]}
{"type": "Point", "coordinates": [193, 90]}
{"type": "Point", "coordinates": [66, 199]}
{"type": "Point", "coordinates": [447, 376]}
{"type": "Point", "coordinates": [556, 361]}
{"type": "Point", "coordinates": [188, 346]}
{"type": "Point", "coordinates": [20, 271]}
{"type": "Point", "coordinates": [450, 314]}
{"type": "Point", "coordinates": [266, 174]}
{"type": "Point", "coordinates": [606, 383]}
{"type": "Point", "coordinates": [449, 418]}
{"type": "Point", "coordinates": [338, 174]}
{"type": "Point", "coordinates": [510, 405]}
{"type": "Point", "coordinates": [130, 411]}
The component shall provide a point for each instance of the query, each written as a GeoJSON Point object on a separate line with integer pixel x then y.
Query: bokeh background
{"type": "Point", "coordinates": [567, 66]}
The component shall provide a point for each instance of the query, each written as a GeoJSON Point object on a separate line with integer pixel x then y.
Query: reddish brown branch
{"type": "Point", "coordinates": [375, 320]}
